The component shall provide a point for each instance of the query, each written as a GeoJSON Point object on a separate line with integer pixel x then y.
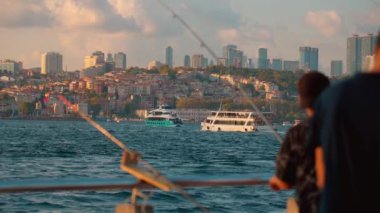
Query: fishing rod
{"type": "Point", "coordinates": [212, 53]}
{"type": "Point", "coordinates": [130, 163]}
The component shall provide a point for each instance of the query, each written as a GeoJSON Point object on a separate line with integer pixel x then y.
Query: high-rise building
{"type": "Point", "coordinates": [90, 61]}
{"type": "Point", "coordinates": [222, 61]}
{"type": "Point", "coordinates": [336, 68]}
{"type": "Point", "coordinates": [358, 48]}
{"type": "Point", "coordinates": [205, 62]}
{"type": "Point", "coordinates": [211, 63]}
{"type": "Point", "coordinates": [94, 59]}
{"type": "Point", "coordinates": [308, 58]}
{"type": "Point", "coordinates": [197, 61]}
{"type": "Point", "coordinates": [263, 58]}
{"type": "Point", "coordinates": [109, 57]}
{"type": "Point", "coordinates": [100, 56]}
{"type": "Point", "coordinates": [238, 60]}
{"type": "Point", "coordinates": [169, 56]}
{"type": "Point", "coordinates": [154, 65]}
{"type": "Point", "coordinates": [251, 65]}
{"type": "Point", "coordinates": [291, 65]}
{"type": "Point", "coordinates": [51, 62]}
{"type": "Point", "coordinates": [277, 64]}
{"type": "Point", "coordinates": [187, 61]}
{"type": "Point", "coordinates": [229, 53]}
{"type": "Point", "coordinates": [120, 60]}
{"type": "Point", "coordinates": [10, 66]}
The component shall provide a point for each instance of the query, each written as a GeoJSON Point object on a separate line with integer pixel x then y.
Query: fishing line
{"type": "Point", "coordinates": [212, 53]}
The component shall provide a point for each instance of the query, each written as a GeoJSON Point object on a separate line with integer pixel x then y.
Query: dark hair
{"type": "Point", "coordinates": [310, 86]}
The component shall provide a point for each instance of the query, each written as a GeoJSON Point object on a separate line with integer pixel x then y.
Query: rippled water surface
{"type": "Point", "coordinates": [75, 150]}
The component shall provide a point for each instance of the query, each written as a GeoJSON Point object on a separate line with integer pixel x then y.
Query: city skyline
{"type": "Point", "coordinates": [131, 26]}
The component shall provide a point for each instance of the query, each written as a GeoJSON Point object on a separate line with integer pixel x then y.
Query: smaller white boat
{"type": "Point", "coordinates": [229, 121]}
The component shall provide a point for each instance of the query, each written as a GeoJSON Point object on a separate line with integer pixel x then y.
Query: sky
{"type": "Point", "coordinates": [143, 28]}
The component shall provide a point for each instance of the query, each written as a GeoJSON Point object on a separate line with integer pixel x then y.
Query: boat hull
{"type": "Point", "coordinates": [226, 128]}
{"type": "Point", "coordinates": [166, 123]}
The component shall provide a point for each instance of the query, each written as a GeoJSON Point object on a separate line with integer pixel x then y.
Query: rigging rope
{"type": "Point", "coordinates": [212, 53]}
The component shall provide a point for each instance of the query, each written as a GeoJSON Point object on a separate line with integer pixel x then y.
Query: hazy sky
{"type": "Point", "coordinates": [143, 28]}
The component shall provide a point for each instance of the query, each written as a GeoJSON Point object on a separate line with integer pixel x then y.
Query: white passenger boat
{"type": "Point", "coordinates": [229, 121]}
{"type": "Point", "coordinates": [163, 116]}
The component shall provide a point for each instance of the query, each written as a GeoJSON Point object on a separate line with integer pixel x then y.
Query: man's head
{"type": "Point", "coordinates": [310, 86]}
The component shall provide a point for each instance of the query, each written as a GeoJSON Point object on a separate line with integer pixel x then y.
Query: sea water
{"type": "Point", "coordinates": [44, 150]}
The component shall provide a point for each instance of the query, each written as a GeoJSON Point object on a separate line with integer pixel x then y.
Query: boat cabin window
{"type": "Point", "coordinates": [156, 119]}
{"type": "Point", "coordinates": [235, 123]}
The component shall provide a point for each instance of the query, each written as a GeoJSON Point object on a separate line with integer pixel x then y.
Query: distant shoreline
{"type": "Point", "coordinates": [64, 119]}
{"type": "Point", "coordinates": [44, 118]}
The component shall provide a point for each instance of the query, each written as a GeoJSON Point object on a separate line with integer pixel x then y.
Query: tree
{"type": "Point", "coordinates": [172, 75]}
{"type": "Point", "coordinates": [164, 69]}
{"type": "Point", "coordinates": [26, 108]}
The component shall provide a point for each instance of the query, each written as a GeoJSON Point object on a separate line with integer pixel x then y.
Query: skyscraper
{"type": "Point", "coordinates": [187, 62]}
{"type": "Point", "coordinates": [197, 61]}
{"type": "Point", "coordinates": [120, 60]}
{"type": "Point", "coordinates": [263, 58]}
{"type": "Point", "coordinates": [51, 62]}
{"type": "Point", "coordinates": [308, 58]}
{"type": "Point", "coordinates": [204, 62]}
{"type": "Point", "coordinates": [251, 65]}
{"type": "Point", "coordinates": [99, 55]}
{"type": "Point", "coordinates": [336, 68]}
{"type": "Point", "coordinates": [169, 56]}
{"type": "Point", "coordinates": [109, 57]}
{"type": "Point", "coordinates": [229, 52]}
{"type": "Point", "coordinates": [358, 48]}
{"type": "Point", "coordinates": [238, 60]}
{"type": "Point", "coordinates": [277, 64]}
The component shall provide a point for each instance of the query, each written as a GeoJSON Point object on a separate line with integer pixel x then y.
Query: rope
{"type": "Point", "coordinates": [212, 53]}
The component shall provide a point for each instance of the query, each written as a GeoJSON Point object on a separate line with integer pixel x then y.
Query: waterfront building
{"type": "Point", "coordinates": [169, 56]}
{"type": "Point", "coordinates": [336, 68]}
{"type": "Point", "coordinates": [263, 58]}
{"type": "Point", "coordinates": [51, 62]}
{"type": "Point", "coordinates": [193, 115]}
{"type": "Point", "coordinates": [309, 58]}
{"type": "Point", "coordinates": [358, 48]}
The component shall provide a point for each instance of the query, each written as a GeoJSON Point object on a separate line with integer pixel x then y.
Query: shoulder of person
{"type": "Point", "coordinates": [302, 126]}
{"type": "Point", "coordinates": [336, 91]}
